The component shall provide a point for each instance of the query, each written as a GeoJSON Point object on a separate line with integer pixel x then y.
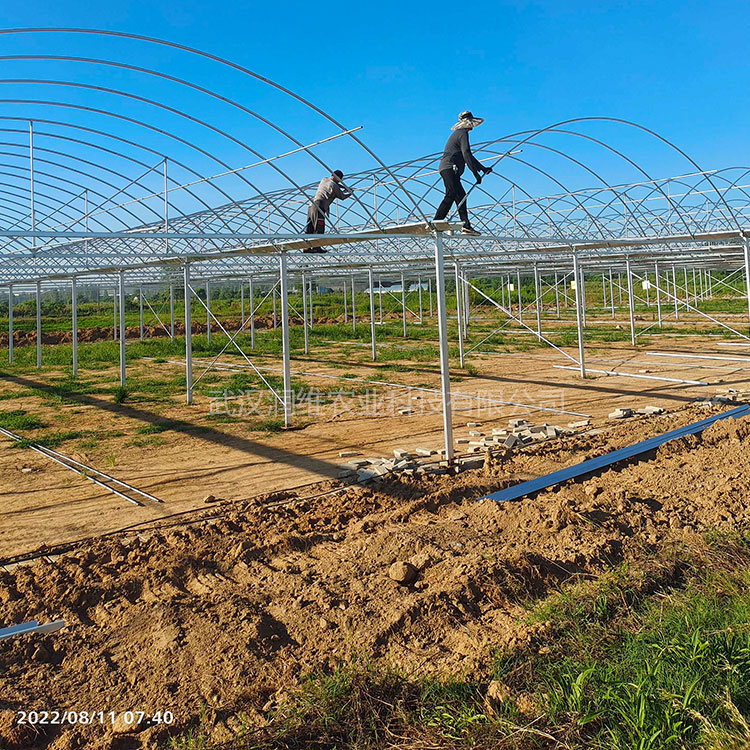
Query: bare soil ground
{"type": "Point", "coordinates": [225, 610]}
{"type": "Point", "coordinates": [42, 503]}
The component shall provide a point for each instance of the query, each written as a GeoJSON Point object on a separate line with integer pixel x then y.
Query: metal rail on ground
{"type": "Point", "coordinates": [86, 471]}
{"type": "Point", "coordinates": [592, 465]}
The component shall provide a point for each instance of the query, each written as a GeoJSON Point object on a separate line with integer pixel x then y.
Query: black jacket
{"type": "Point", "coordinates": [457, 154]}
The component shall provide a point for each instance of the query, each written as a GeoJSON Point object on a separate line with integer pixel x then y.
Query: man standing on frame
{"type": "Point", "coordinates": [456, 157]}
{"type": "Point", "coordinates": [329, 189]}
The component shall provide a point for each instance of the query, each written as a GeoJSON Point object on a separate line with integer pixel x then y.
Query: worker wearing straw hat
{"type": "Point", "coordinates": [456, 157]}
{"type": "Point", "coordinates": [329, 189]}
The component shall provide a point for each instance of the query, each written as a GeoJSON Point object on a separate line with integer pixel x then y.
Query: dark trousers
{"type": "Point", "coordinates": [454, 193]}
{"type": "Point", "coordinates": [316, 219]}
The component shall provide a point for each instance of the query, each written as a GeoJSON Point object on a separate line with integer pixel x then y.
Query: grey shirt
{"type": "Point", "coordinates": [328, 191]}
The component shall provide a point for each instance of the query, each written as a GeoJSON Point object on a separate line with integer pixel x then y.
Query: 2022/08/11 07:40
{"type": "Point", "coordinates": [35, 718]}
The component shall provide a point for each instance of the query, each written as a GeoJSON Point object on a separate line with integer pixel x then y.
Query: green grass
{"type": "Point", "coordinates": [54, 438]}
{"type": "Point", "coordinates": [152, 429]}
{"type": "Point", "coordinates": [51, 439]}
{"type": "Point", "coordinates": [655, 659]}
{"type": "Point", "coordinates": [148, 441]}
{"type": "Point", "coordinates": [361, 706]}
{"type": "Point", "coordinates": [19, 419]}
{"type": "Point", "coordinates": [267, 425]}
{"type": "Point", "coordinates": [120, 394]}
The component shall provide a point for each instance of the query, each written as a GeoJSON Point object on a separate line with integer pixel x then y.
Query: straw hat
{"type": "Point", "coordinates": [467, 120]}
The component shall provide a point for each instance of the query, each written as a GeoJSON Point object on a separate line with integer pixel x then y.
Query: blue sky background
{"type": "Point", "coordinates": [404, 71]}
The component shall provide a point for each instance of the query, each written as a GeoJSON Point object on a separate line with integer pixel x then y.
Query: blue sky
{"type": "Point", "coordinates": [404, 71]}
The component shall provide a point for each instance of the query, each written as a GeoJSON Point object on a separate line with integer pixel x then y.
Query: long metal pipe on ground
{"type": "Point", "coordinates": [591, 465]}
{"type": "Point", "coordinates": [83, 470]}
{"type": "Point", "coordinates": [634, 375]}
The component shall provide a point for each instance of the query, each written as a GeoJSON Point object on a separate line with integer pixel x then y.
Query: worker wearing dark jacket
{"type": "Point", "coordinates": [456, 157]}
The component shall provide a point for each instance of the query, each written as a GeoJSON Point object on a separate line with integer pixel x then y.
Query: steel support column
{"type": "Point", "coordinates": [631, 301]}
{"type": "Point", "coordinates": [582, 279]}
{"type": "Point", "coordinates": [695, 289]}
{"type": "Point", "coordinates": [38, 325]}
{"type": "Point", "coordinates": [466, 301]}
{"type": "Point", "coordinates": [419, 286]}
{"type": "Point", "coordinates": [658, 293]}
{"type": "Point", "coordinates": [372, 314]}
{"type": "Point", "coordinates": [251, 295]}
{"type": "Point", "coordinates": [171, 311]}
{"type": "Point", "coordinates": [445, 375]}
{"type": "Point", "coordinates": [304, 313]}
{"type": "Point", "coordinates": [74, 323]}
{"type": "Point", "coordinates": [188, 337]}
{"type": "Point", "coordinates": [354, 307]}
{"type": "Point", "coordinates": [140, 312]}
{"type": "Point", "coordinates": [579, 317]}
{"type": "Point", "coordinates": [285, 341]}
{"type": "Point", "coordinates": [538, 304]}
{"type": "Point", "coordinates": [346, 308]}
{"type": "Point", "coordinates": [121, 285]}
{"type": "Point", "coordinates": [403, 304]}
{"type": "Point", "coordinates": [510, 297]}
{"type": "Point", "coordinates": [208, 312]}
{"type": "Point", "coordinates": [311, 303]}
{"type": "Point", "coordinates": [10, 324]}
{"type": "Point", "coordinates": [458, 315]}
{"type": "Point", "coordinates": [520, 303]}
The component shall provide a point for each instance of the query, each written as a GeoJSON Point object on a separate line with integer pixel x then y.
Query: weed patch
{"type": "Point", "coordinates": [18, 419]}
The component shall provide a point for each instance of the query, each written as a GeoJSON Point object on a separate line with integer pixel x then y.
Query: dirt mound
{"type": "Point", "coordinates": [226, 614]}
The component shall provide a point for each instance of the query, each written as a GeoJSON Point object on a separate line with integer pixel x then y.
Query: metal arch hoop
{"type": "Point", "coordinates": [131, 120]}
{"type": "Point", "coordinates": [203, 90]}
{"type": "Point", "coordinates": [119, 139]}
{"type": "Point", "coordinates": [160, 105]}
{"type": "Point", "coordinates": [222, 61]}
